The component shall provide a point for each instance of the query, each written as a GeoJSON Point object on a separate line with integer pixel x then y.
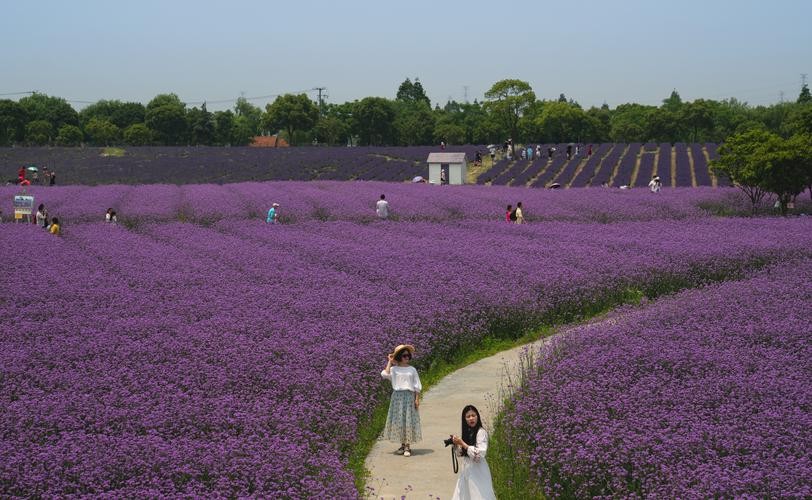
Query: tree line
{"type": "Point", "coordinates": [510, 110]}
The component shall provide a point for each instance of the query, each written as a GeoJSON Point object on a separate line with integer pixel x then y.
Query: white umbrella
{"type": "Point", "coordinates": [417, 179]}
{"type": "Point", "coordinates": [32, 169]}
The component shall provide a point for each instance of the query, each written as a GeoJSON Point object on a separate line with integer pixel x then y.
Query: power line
{"type": "Point", "coordinates": [207, 101]}
{"type": "Point", "coordinates": [254, 98]}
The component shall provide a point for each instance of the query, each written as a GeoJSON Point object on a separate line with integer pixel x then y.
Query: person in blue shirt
{"type": "Point", "coordinates": [273, 214]}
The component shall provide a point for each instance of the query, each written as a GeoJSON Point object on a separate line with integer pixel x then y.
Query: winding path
{"type": "Point", "coordinates": [427, 473]}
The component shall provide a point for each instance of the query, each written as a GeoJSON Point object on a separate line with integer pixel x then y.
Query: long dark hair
{"type": "Point", "coordinates": [468, 434]}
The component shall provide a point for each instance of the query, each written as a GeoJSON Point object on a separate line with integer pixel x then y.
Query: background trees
{"type": "Point", "coordinates": [511, 110]}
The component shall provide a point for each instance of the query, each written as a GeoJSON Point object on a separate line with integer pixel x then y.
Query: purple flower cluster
{"type": "Point", "coordinates": [229, 357]}
{"type": "Point", "coordinates": [705, 394]}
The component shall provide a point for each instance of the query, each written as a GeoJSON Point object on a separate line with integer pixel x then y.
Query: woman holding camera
{"type": "Point", "coordinates": [475, 479]}
{"type": "Point", "coordinates": [403, 421]}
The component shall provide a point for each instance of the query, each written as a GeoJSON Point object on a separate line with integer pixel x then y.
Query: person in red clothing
{"type": "Point", "coordinates": [21, 174]}
{"type": "Point", "coordinates": [507, 214]}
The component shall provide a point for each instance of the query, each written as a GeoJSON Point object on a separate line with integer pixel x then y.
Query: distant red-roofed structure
{"type": "Point", "coordinates": [269, 141]}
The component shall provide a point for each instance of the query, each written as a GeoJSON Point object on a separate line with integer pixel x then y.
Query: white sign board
{"type": "Point", "coordinates": [23, 205]}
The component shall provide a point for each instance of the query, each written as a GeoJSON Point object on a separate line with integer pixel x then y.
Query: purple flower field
{"type": "Point", "coordinates": [705, 394]}
{"type": "Point", "coordinates": [226, 357]}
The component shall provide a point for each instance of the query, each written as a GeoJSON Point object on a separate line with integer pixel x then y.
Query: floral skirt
{"type": "Point", "coordinates": [403, 421]}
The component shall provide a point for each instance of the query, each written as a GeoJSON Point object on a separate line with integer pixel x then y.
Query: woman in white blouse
{"type": "Point", "coordinates": [475, 479]}
{"type": "Point", "coordinates": [403, 420]}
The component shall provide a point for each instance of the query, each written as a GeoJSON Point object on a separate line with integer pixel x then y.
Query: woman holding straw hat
{"type": "Point", "coordinates": [403, 420]}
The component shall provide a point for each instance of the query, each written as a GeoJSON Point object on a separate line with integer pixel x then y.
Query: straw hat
{"type": "Point", "coordinates": [401, 347]}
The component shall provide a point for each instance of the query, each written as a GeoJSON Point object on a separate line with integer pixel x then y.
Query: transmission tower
{"type": "Point", "coordinates": [465, 88]}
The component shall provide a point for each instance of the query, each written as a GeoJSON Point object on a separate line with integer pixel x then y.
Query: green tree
{"type": "Point", "coordinates": [69, 135]}
{"type": "Point", "coordinates": [102, 131]}
{"type": "Point", "coordinates": [414, 123]}
{"type": "Point", "coordinates": [250, 119]}
{"type": "Point", "coordinates": [673, 103]}
{"type": "Point", "coordinates": [331, 130]}
{"type": "Point", "coordinates": [663, 125]}
{"type": "Point", "coordinates": [374, 119]}
{"type": "Point", "coordinates": [786, 166]}
{"type": "Point", "coordinates": [740, 160]}
{"type": "Point", "coordinates": [508, 100]}
{"type": "Point", "coordinates": [138, 134]}
{"type": "Point", "coordinates": [729, 115]}
{"type": "Point", "coordinates": [628, 123]}
{"type": "Point", "coordinates": [223, 125]}
{"type": "Point", "coordinates": [799, 120]}
{"type": "Point", "coordinates": [600, 123]}
{"type": "Point", "coordinates": [201, 126]}
{"type": "Point", "coordinates": [291, 113]}
{"type": "Point", "coordinates": [166, 117]}
{"type": "Point", "coordinates": [38, 132]}
{"type": "Point", "coordinates": [243, 131]}
{"type": "Point", "coordinates": [13, 119]}
{"type": "Point", "coordinates": [128, 113]}
{"type": "Point", "coordinates": [803, 143]}
{"type": "Point", "coordinates": [54, 110]}
{"type": "Point", "coordinates": [563, 122]}
{"type": "Point", "coordinates": [449, 132]}
{"type": "Point", "coordinates": [412, 92]}
{"type": "Point", "coordinates": [698, 117]}
{"type": "Point", "coordinates": [776, 117]}
{"type": "Point", "coordinates": [120, 114]}
{"type": "Point", "coordinates": [804, 97]}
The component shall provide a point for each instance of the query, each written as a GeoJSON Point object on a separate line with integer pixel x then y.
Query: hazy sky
{"type": "Point", "coordinates": [594, 51]}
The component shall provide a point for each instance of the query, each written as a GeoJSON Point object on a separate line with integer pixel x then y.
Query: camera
{"type": "Point", "coordinates": [448, 442]}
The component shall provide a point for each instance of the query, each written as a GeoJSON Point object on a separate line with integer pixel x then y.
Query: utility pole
{"type": "Point", "coordinates": [465, 88]}
{"type": "Point", "coordinates": [321, 102]}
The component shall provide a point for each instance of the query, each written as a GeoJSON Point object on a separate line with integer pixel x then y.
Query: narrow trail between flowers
{"type": "Point", "coordinates": [428, 473]}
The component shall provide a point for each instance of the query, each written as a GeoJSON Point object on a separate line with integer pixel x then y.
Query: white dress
{"type": "Point", "coordinates": [475, 477]}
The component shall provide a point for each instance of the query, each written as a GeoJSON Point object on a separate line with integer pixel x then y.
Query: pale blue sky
{"type": "Point", "coordinates": [593, 51]}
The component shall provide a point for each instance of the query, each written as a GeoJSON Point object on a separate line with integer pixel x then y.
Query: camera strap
{"type": "Point", "coordinates": [455, 464]}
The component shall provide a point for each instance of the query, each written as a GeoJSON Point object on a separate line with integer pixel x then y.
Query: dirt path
{"type": "Point", "coordinates": [427, 473]}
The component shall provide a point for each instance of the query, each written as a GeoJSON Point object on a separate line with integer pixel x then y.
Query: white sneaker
{"type": "Point", "coordinates": [407, 452]}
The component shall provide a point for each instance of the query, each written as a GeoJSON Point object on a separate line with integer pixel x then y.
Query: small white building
{"type": "Point", "coordinates": [454, 165]}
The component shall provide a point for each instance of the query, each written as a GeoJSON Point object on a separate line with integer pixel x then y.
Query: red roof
{"type": "Point", "coordinates": [268, 141]}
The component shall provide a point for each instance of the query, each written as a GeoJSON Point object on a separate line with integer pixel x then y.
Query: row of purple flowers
{"type": "Point", "coordinates": [326, 200]}
{"type": "Point", "coordinates": [704, 394]}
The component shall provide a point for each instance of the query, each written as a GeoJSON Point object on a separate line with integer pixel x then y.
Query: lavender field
{"type": "Point", "coordinates": [200, 164]}
{"type": "Point", "coordinates": [702, 395]}
{"type": "Point", "coordinates": [195, 350]}
{"type": "Point", "coordinates": [617, 164]}
{"type": "Point", "coordinates": [355, 202]}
